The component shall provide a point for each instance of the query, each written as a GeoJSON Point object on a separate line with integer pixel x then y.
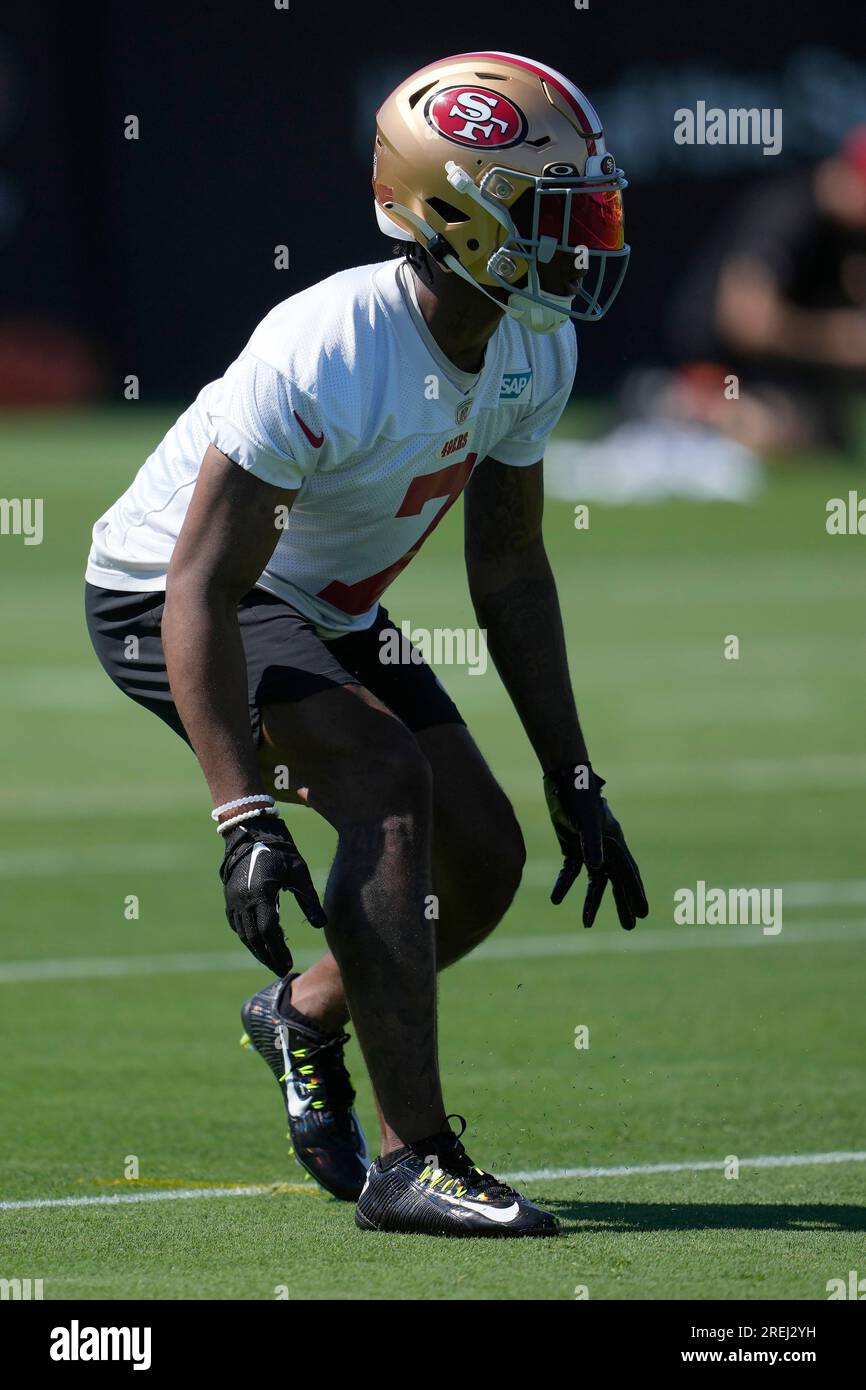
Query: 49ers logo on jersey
{"type": "Point", "coordinates": [476, 117]}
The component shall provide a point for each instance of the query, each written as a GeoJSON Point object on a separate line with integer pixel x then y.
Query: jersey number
{"type": "Point", "coordinates": [446, 482]}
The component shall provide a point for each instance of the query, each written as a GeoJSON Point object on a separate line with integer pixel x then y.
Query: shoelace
{"type": "Point", "coordinates": [322, 1069]}
{"type": "Point", "coordinates": [455, 1171]}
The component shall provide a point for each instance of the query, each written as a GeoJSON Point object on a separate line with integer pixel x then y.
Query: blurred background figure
{"type": "Point", "coordinates": [768, 326]}
{"type": "Point", "coordinates": [778, 299]}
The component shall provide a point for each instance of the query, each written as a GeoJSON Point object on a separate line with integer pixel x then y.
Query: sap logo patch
{"type": "Point", "coordinates": [516, 386]}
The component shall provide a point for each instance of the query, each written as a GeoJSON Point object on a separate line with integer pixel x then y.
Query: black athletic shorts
{"type": "Point", "coordinates": [286, 660]}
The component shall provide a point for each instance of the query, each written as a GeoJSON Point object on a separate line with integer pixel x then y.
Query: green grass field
{"type": "Point", "coordinates": [120, 1037]}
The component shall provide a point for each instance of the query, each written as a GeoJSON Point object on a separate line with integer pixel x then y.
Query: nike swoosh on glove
{"type": "Point", "coordinates": [589, 834]}
{"type": "Point", "coordinates": [261, 859]}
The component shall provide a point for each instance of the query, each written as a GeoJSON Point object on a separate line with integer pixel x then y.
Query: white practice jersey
{"type": "Point", "coordinates": [343, 394]}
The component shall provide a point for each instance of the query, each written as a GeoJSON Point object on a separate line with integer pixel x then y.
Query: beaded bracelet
{"type": "Point", "coordinates": [239, 820]}
{"type": "Point", "coordinates": [239, 801]}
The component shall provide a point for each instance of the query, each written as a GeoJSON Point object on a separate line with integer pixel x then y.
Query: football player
{"type": "Point", "coordinates": [249, 557]}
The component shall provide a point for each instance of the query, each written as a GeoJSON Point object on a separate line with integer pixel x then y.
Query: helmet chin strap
{"type": "Point", "coordinates": [541, 318]}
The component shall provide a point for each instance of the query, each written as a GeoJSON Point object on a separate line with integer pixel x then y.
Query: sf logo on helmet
{"type": "Point", "coordinates": [475, 116]}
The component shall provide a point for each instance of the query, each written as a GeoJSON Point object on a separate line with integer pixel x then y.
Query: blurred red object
{"type": "Point", "coordinates": [853, 152]}
{"type": "Point", "coordinates": [42, 363]}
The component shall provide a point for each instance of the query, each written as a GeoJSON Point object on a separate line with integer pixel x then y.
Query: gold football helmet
{"type": "Point", "coordinates": [495, 163]}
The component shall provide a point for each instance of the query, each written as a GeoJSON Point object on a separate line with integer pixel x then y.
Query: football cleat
{"type": "Point", "coordinates": [433, 1188]}
{"type": "Point", "coordinates": [327, 1138]}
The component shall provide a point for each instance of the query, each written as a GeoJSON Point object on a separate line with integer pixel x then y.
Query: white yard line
{"type": "Point", "coordinates": [700, 1166]}
{"type": "Point", "coordinates": [834, 890]}
{"type": "Point", "coordinates": [606, 940]}
{"type": "Point", "coordinates": [115, 1199]}
{"type": "Point", "coordinates": [119, 967]}
{"type": "Point", "coordinates": [110, 860]}
{"type": "Point", "coordinates": [639, 780]}
{"type": "Point", "coordinates": [611, 940]}
{"type": "Point", "coordinates": [41, 862]}
{"type": "Point", "coordinates": [541, 873]}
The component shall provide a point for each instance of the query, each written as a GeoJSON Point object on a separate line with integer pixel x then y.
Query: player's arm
{"type": "Point", "coordinates": [227, 538]}
{"type": "Point", "coordinates": [753, 315]}
{"type": "Point", "coordinates": [515, 600]}
{"type": "Point", "coordinates": [226, 541]}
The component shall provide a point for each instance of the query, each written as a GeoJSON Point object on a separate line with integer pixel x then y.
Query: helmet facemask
{"type": "Point", "coordinates": [541, 216]}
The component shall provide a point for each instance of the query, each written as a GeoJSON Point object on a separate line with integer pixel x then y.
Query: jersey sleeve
{"type": "Point", "coordinates": [526, 442]}
{"type": "Point", "coordinates": [255, 422]}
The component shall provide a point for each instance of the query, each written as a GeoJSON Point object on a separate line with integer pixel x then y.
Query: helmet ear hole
{"type": "Point", "coordinates": [447, 211]}
{"type": "Point", "coordinates": [422, 91]}
{"type": "Point", "coordinates": [472, 244]}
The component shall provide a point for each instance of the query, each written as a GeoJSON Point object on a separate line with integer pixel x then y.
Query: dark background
{"type": "Point", "coordinates": [256, 126]}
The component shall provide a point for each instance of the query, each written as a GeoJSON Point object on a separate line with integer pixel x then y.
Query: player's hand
{"type": "Point", "coordinates": [589, 834]}
{"type": "Point", "coordinates": [260, 860]}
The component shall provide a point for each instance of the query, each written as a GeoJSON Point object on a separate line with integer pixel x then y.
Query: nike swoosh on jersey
{"type": "Point", "coordinates": [317, 440]}
{"type": "Point", "coordinates": [500, 1214]}
{"type": "Point", "coordinates": [257, 850]}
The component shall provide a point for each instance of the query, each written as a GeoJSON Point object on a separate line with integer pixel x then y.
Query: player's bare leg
{"type": "Point", "coordinates": [478, 849]}
{"type": "Point", "coordinates": [429, 1185]}
{"type": "Point", "coordinates": [478, 856]}
{"type": "Point", "coordinates": [365, 773]}
{"type": "Point", "coordinates": [477, 861]}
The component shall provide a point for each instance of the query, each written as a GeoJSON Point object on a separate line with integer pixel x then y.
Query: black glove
{"type": "Point", "coordinates": [589, 833]}
{"type": "Point", "coordinates": [260, 860]}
